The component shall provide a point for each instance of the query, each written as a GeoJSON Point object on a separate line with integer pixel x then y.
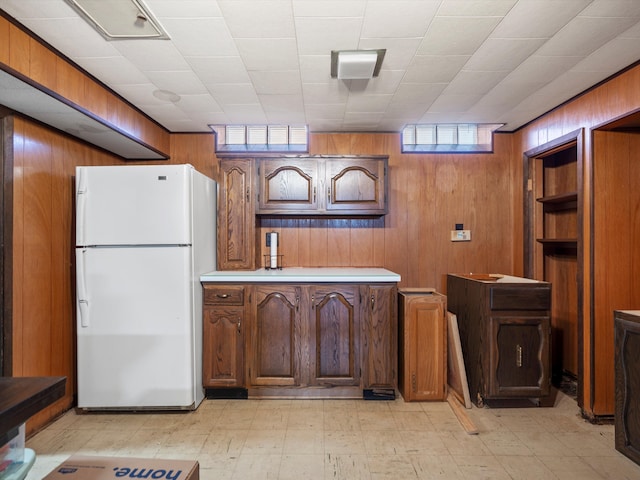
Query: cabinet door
{"type": "Point", "coordinates": [275, 336]}
{"type": "Point", "coordinates": [380, 342]}
{"type": "Point", "coordinates": [236, 216]}
{"type": "Point", "coordinates": [519, 356]}
{"type": "Point", "coordinates": [335, 335]}
{"type": "Point", "coordinates": [288, 184]}
{"type": "Point", "coordinates": [223, 347]}
{"type": "Point", "coordinates": [423, 343]}
{"type": "Point", "coordinates": [356, 185]}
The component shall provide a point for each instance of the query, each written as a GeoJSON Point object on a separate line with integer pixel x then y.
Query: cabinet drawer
{"type": "Point", "coordinates": [516, 298]}
{"type": "Point", "coordinates": [214, 295]}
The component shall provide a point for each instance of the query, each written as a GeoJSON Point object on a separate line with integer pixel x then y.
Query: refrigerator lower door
{"type": "Point", "coordinates": [136, 329]}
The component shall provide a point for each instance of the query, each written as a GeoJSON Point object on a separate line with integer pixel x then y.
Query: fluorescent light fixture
{"type": "Point", "coordinates": [119, 19]}
{"type": "Point", "coordinates": [356, 64]}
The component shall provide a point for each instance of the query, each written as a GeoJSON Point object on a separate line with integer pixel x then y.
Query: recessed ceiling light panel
{"type": "Point", "coordinates": [356, 64]}
{"type": "Point", "coordinates": [119, 19]}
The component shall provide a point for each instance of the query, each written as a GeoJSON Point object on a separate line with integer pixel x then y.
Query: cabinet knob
{"type": "Point", "coordinates": [518, 356]}
{"type": "Point", "coordinates": [239, 322]}
{"type": "Point", "coordinates": [222, 295]}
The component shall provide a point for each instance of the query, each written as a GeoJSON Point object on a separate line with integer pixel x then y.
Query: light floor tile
{"type": "Point", "coordinates": [347, 439]}
{"type": "Point", "coordinates": [346, 467]}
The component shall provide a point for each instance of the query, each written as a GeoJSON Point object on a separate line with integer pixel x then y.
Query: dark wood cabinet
{"type": "Point", "coordinates": [422, 346]}
{"type": "Point", "coordinates": [505, 330]}
{"type": "Point", "coordinates": [356, 185]}
{"type": "Point", "coordinates": [236, 216]}
{"type": "Point", "coordinates": [334, 330]}
{"type": "Point", "coordinates": [275, 336]}
{"type": "Point", "coordinates": [312, 340]}
{"type": "Point", "coordinates": [380, 342]}
{"type": "Point", "coordinates": [223, 336]}
{"type": "Point", "coordinates": [287, 185]}
{"type": "Point", "coordinates": [321, 185]}
{"type": "Point", "coordinates": [627, 383]}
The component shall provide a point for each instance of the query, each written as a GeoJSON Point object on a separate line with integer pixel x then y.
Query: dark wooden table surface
{"type": "Point", "coordinates": [22, 397]}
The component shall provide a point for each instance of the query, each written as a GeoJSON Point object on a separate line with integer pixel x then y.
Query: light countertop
{"type": "Point", "coordinates": [305, 274]}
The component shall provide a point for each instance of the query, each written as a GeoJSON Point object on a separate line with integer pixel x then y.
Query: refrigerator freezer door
{"type": "Point", "coordinates": [135, 328]}
{"type": "Point", "coordinates": [133, 205]}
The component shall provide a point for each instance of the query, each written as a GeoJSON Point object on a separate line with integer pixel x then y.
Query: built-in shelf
{"type": "Point", "coordinates": [568, 242]}
{"type": "Point", "coordinates": [562, 198]}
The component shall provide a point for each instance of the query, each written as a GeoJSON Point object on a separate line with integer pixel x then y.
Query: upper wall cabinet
{"type": "Point", "coordinates": [337, 186]}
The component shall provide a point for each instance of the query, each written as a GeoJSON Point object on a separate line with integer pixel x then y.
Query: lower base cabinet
{"type": "Point", "coordinates": [627, 382]}
{"type": "Point", "coordinates": [422, 345]}
{"type": "Point", "coordinates": [310, 340]}
{"type": "Point", "coordinates": [505, 334]}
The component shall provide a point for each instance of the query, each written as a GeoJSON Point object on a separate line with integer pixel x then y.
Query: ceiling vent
{"type": "Point", "coordinates": [119, 19]}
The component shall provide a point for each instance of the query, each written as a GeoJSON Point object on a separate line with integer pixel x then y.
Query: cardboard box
{"type": "Point", "coordinates": [81, 467]}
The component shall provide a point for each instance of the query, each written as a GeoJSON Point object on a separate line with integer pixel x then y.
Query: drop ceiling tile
{"type": "Point", "coordinates": [315, 68]}
{"type": "Point", "coordinates": [268, 53]}
{"type": "Point", "coordinates": [612, 8]}
{"type": "Point", "coordinates": [368, 103]}
{"type": "Point", "coordinates": [183, 9]}
{"type": "Point", "coordinates": [418, 94]}
{"type": "Point", "coordinates": [326, 111]}
{"type": "Point", "coordinates": [27, 9]}
{"type": "Point", "coordinates": [331, 93]}
{"type": "Point", "coordinates": [283, 108]}
{"type": "Point", "coordinates": [318, 36]}
{"type": "Point", "coordinates": [200, 36]}
{"type": "Point", "coordinates": [329, 8]}
{"type": "Point", "coordinates": [399, 19]}
{"type": "Point", "coordinates": [538, 18]}
{"type": "Point", "coordinates": [152, 55]}
{"type": "Point", "coordinates": [112, 70]}
{"type": "Point", "coordinates": [182, 82]}
{"type": "Point", "coordinates": [219, 69]}
{"type": "Point", "coordinates": [229, 94]}
{"type": "Point", "coordinates": [473, 8]}
{"type": "Point", "coordinates": [73, 36]}
{"type": "Point", "coordinates": [263, 19]}
{"type": "Point", "coordinates": [454, 103]}
{"type": "Point", "coordinates": [245, 113]}
{"type": "Point", "coordinates": [386, 83]}
{"type": "Point", "coordinates": [542, 68]}
{"type": "Point", "coordinates": [475, 83]}
{"type": "Point", "coordinates": [497, 54]}
{"type": "Point", "coordinates": [198, 104]}
{"type": "Point", "coordinates": [612, 57]}
{"type": "Point", "coordinates": [444, 38]}
{"type": "Point", "coordinates": [399, 52]}
{"type": "Point", "coordinates": [584, 35]}
{"type": "Point", "coordinates": [434, 68]}
{"type": "Point", "coordinates": [276, 83]}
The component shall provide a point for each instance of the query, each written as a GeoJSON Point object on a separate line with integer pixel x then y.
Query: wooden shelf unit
{"type": "Point", "coordinates": [553, 241]}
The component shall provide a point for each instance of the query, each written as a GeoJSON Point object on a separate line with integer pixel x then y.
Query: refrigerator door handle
{"type": "Point", "coordinates": [83, 302]}
{"type": "Point", "coordinates": [81, 196]}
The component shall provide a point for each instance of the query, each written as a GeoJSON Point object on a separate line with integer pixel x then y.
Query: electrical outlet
{"type": "Point", "coordinates": [460, 235]}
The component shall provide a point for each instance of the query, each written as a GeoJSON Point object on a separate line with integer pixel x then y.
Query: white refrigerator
{"type": "Point", "coordinates": [144, 235]}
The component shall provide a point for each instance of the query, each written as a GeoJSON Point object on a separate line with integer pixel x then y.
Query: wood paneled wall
{"type": "Point", "coordinates": [428, 195]}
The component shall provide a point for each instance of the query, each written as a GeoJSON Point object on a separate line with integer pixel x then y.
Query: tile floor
{"type": "Point", "coordinates": [348, 439]}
